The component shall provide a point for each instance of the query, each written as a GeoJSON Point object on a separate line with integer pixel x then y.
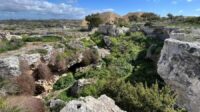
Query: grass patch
{"type": "Point", "coordinates": [10, 45]}
{"type": "Point", "coordinates": [42, 39]}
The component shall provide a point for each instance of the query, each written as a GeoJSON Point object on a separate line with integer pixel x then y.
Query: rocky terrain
{"type": "Point", "coordinates": [114, 67]}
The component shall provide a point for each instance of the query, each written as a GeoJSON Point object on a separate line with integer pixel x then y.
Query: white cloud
{"type": "Point", "coordinates": [41, 7]}
{"type": "Point", "coordinates": [189, 0]}
{"type": "Point", "coordinates": [103, 10]}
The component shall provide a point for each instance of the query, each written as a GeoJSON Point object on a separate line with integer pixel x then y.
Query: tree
{"type": "Point", "coordinates": [170, 16]}
{"type": "Point", "coordinates": [93, 20]}
{"type": "Point", "coordinates": [150, 16]}
{"type": "Point", "coordinates": [133, 18]}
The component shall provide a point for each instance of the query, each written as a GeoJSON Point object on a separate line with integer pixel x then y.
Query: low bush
{"type": "Point", "coordinates": [42, 72]}
{"type": "Point", "coordinates": [90, 56]}
{"type": "Point", "coordinates": [10, 45]}
{"type": "Point", "coordinates": [64, 82]}
{"type": "Point", "coordinates": [42, 39]}
{"type": "Point", "coordinates": [141, 98]}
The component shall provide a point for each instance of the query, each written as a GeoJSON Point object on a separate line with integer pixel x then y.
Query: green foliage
{"type": "Point", "coordinates": [65, 96]}
{"type": "Point", "coordinates": [93, 90]}
{"type": "Point", "coordinates": [97, 39]}
{"type": "Point", "coordinates": [64, 82]}
{"type": "Point", "coordinates": [88, 43]}
{"type": "Point", "coordinates": [141, 98]}
{"type": "Point", "coordinates": [93, 73]}
{"type": "Point", "coordinates": [93, 20]}
{"type": "Point", "coordinates": [42, 39]}
{"type": "Point", "coordinates": [122, 23]}
{"type": "Point", "coordinates": [10, 45]}
{"type": "Point", "coordinates": [120, 67]}
{"type": "Point", "coordinates": [150, 16]}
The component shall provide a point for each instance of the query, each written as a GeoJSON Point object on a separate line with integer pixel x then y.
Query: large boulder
{"type": "Point", "coordinates": [90, 104]}
{"type": "Point", "coordinates": [112, 30]}
{"type": "Point", "coordinates": [32, 59]}
{"type": "Point", "coordinates": [10, 66]}
{"type": "Point", "coordinates": [179, 66]}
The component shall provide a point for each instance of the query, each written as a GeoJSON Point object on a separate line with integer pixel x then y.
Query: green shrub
{"type": "Point", "coordinates": [93, 73]}
{"type": "Point", "coordinates": [90, 56]}
{"type": "Point", "coordinates": [94, 89]}
{"type": "Point", "coordinates": [65, 96]}
{"type": "Point", "coordinates": [120, 67]}
{"type": "Point", "coordinates": [42, 39]}
{"type": "Point", "coordinates": [141, 98]}
{"type": "Point", "coordinates": [10, 45]}
{"type": "Point", "coordinates": [88, 43]}
{"type": "Point", "coordinates": [64, 82]}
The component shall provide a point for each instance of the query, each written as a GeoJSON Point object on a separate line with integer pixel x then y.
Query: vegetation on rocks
{"type": "Point", "coordinates": [64, 82]}
{"type": "Point", "coordinates": [10, 45]}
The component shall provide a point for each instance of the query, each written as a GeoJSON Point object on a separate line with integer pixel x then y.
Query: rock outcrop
{"type": "Point", "coordinates": [79, 84]}
{"type": "Point", "coordinates": [179, 66]}
{"type": "Point", "coordinates": [10, 66]}
{"type": "Point", "coordinates": [90, 104]}
{"type": "Point", "coordinates": [112, 30]}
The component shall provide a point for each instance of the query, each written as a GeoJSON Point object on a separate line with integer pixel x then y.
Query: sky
{"type": "Point", "coordinates": [78, 9]}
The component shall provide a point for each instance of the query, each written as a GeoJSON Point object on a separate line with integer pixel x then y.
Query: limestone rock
{"type": "Point", "coordinates": [107, 41]}
{"type": "Point", "coordinates": [112, 30]}
{"type": "Point", "coordinates": [32, 59]}
{"type": "Point", "coordinates": [10, 66]}
{"type": "Point", "coordinates": [78, 85]}
{"type": "Point", "coordinates": [179, 66]}
{"type": "Point", "coordinates": [90, 104]}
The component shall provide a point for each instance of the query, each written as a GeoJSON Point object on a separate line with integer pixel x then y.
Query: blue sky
{"type": "Point", "coordinates": [77, 9]}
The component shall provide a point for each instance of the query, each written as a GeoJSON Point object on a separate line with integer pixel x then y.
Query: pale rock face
{"type": "Point", "coordinates": [179, 66]}
{"type": "Point", "coordinates": [10, 66]}
{"type": "Point", "coordinates": [32, 59]}
{"type": "Point", "coordinates": [90, 104]}
{"type": "Point", "coordinates": [112, 30]}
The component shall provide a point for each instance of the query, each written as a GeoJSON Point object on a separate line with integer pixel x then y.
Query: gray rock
{"type": "Point", "coordinates": [10, 66]}
{"type": "Point", "coordinates": [90, 104]}
{"type": "Point", "coordinates": [107, 41]}
{"type": "Point", "coordinates": [112, 30]}
{"type": "Point", "coordinates": [56, 105]}
{"type": "Point", "coordinates": [179, 66]}
{"type": "Point", "coordinates": [32, 59]}
{"type": "Point", "coordinates": [79, 84]}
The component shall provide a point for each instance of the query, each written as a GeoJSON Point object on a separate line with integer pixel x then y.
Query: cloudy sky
{"type": "Point", "coordinates": [77, 9]}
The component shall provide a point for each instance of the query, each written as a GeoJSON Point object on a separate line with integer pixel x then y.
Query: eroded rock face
{"type": "Point", "coordinates": [179, 66]}
{"type": "Point", "coordinates": [90, 104]}
{"type": "Point", "coordinates": [112, 30]}
{"type": "Point", "coordinates": [10, 66]}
